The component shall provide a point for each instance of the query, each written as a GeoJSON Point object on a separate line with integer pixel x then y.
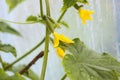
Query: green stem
{"type": "Point", "coordinates": [63, 78]}
{"type": "Point", "coordinates": [17, 22]}
{"type": "Point", "coordinates": [7, 67]}
{"type": "Point", "coordinates": [49, 25]}
{"type": "Point", "coordinates": [41, 8]}
{"type": "Point", "coordinates": [45, 55]}
{"type": "Point", "coordinates": [61, 16]}
{"type": "Point", "coordinates": [47, 8]}
{"type": "Point", "coordinates": [76, 6]}
{"type": "Point", "coordinates": [46, 43]}
{"type": "Point", "coordinates": [2, 62]}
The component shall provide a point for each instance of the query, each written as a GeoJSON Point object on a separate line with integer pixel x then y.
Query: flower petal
{"type": "Point", "coordinates": [60, 37]}
{"type": "Point", "coordinates": [56, 39]}
{"type": "Point", "coordinates": [60, 52]}
{"type": "Point", "coordinates": [85, 15]}
{"type": "Point", "coordinates": [65, 39]}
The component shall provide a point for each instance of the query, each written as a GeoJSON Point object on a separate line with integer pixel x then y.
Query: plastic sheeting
{"type": "Point", "coordinates": [101, 34]}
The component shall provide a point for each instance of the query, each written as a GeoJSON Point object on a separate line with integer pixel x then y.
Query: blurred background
{"type": "Point", "coordinates": [101, 34]}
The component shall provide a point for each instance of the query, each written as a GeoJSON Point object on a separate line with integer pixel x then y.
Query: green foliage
{"type": "Point", "coordinates": [32, 18]}
{"type": "Point", "coordinates": [4, 27]}
{"type": "Point", "coordinates": [55, 24]}
{"type": "Point", "coordinates": [52, 23]}
{"type": "Point", "coordinates": [64, 24]}
{"type": "Point", "coordinates": [83, 1]}
{"type": "Point", "coordinates": [86, 64]}
{"type": "Point", "coordinates": [1, 60]}
{"type": "Point", "coordinates": [81, 64]}
{"type": "Point", "coordinates": [8, 48]}
{"type": "Point", "coordinates": [4, 64]}
{"type": "Point", "coordinates": [30, 74]}
{"type": "Point", "coordinates": [13, 3]}
{"type": "Point", "coordinates": [4, 76]}
{"type": "Point", "coordinates": [35, 19]}
{"type": "Point", "coordinates": [69, 3]}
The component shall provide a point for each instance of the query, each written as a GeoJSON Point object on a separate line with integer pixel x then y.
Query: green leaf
{"type": "Point", "coordinates": [4, 76]}
{"type": "Point", "coordinates": [4, 64]}
{"type": "Point", "coordinates": [64, 24]}
{"type": "Point", "coordinates": [13, 3]}
{"type": "Point", "coordinates": [68, 3]}
{"type": "Point", "coordinates": [32, 18]}
{"type": "Point", "coordinates": [8, 48]}
{"type": "Point", "coordinates": [17, 76]}
{"type": "Point", "coordinates": [57, 24]}
{"type": "Point", "coordinates": [86, 64]}
{"type": "Point", "coordinates": [35, 19]}
{"type": "Point", "coordinates": [4, 27]}
{"type": "Point", "coordinates": [1, 60]}
{"type": "Point", "coordinates": [83, 1]}
{"type": "Point", "coordinates": [30, 74]}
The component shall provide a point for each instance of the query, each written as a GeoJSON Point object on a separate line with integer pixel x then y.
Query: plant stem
{"type": "Point", "coordinates": [45, 55]}
{"type": "Point", "coordinates": [61, 16]}
{"type": "Point", "coordinates": [1, 61]}
{"type": "Point", "coordinates": [41, 8]}
{"type": "Point", "coordinates": [76, 6]}
{"type": "Point", "coordinates": [7, 67]}
{"type": "Point", "coordinates": [47, 8]}
{"type": "Point", "coordinates": [40, 55]}
{"type": "Point", "coordinates": [4, 20]}
{"type": "Point", "coordinates": [50, 26]}
{"type": "Point", "coordinates": [46, 43]}
{"type": "Point", "coordinates": [63, 78]}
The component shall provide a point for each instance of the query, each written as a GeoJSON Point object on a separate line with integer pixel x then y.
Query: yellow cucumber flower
{"type": "Point", "coordinates": [85, 15]}
{"type": "Point", "coordinates": [60, 37]}
{"type": "Point", "coordinates": [60, 52]}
